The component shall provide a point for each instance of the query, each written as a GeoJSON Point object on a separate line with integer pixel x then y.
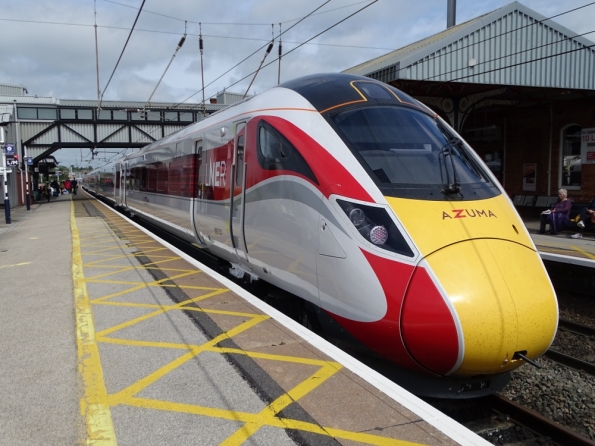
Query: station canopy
{"type": "Point", "coordinates": [510, 56]}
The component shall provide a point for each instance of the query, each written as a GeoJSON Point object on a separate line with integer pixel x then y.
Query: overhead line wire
{"type": "Point", "coordinates": [232, 23]}
{"type": "Point", "coordinates": [192, 34]}
{"type": "Point", "coordinates": [273, 61]}
{"type": "Point", "coordinates": [123, 49]}
{"type": "Point", "coordinates": [239, 63]}
{"type": "Point", "coordinates": [303, 43]}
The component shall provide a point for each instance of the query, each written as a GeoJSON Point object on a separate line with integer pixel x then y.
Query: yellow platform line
{"type": "Point", "coordinates": [16, 264]}
{"type": "Point", "coordinates": [94, 404]}
{"type": "Point", "coordinates": [583, 252]}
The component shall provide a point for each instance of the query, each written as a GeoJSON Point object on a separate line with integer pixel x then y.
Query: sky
{"type": "Point", "coordinates": [50, 47]}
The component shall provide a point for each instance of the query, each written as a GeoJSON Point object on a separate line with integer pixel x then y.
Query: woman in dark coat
{"type": "Point", "coordinates": [587, 219]}
{"type": "Point", "coordinates": [558, 216]}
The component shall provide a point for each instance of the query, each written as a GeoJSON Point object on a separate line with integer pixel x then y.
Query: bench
{"type": "Point", "coordinates": [530, 206]}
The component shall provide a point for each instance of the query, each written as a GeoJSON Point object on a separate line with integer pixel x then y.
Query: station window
{"type": "Point", "coordinates": [171, 116]}
{"type": "Point", "coordinates": [47, 113]}
{"type": "Point", "coordinates": [153, 116]}
{"type": "Point", "coordinates": [85, 114]}
{"type": "Point", "coordinates": [37, 113]}
{"type": "Point", "coordinates": [120, 115]}
{"type": "Point", "coordinates": [67, 113]}
{"type": "Point", "coordinates": [104, 114]}
{"type": "Point", "coordinates": [27, 113]}
{"type": "Point", "coordinates": [571, 157]}
{"type": "Point", "coordinates": [186, 116]}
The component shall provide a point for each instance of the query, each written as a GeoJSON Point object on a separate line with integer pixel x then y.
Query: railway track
{"type": "Point", "coordinates": [576, 327]}
{"type": "Point", "coordinates": [568, 360]}
{"type": "Point", "coordinates": [536, 423]}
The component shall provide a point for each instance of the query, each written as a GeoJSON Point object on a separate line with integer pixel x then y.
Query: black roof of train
{"type": "Point", "coordinates": [332, 90]}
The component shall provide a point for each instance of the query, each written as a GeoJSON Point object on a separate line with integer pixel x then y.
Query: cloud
{"type": "Point", "coordinates": [58, 58]}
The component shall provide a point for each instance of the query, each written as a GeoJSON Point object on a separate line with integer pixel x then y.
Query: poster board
{"type": "Point", "coordinates": [530, 177]}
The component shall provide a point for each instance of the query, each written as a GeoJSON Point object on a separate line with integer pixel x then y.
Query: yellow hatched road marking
{"type": "Point", "coordinates": [157, 313]}
{"type": "Point", "coordinates": [122, 396]}
{"type": "Point", "coordinates": [137, 267]}
{"type": "Point", "coordinates": [178, 276]}
{"type": "Point", "coordinates": [119, 293]}
{"type": "Point", "coordinates": [269, 413]}
{"type": "Point", "coordinates": [94, 404]}
{"type": "Point", "coordinates": [252, 422]}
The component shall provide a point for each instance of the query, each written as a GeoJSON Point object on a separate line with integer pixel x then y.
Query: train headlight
{"type": "Point", "coordinates": [357, 217]}
{"type": "Point", "coordinates": [378, 235]}
{"type": "Point", "coordinates": [376, 226]}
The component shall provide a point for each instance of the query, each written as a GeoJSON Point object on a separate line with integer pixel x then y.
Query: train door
{"type": "Point", "coordinates": [121, 175]}
{"type": "Point", "coordinates": [199, 203]}
{"type": "Point", "coordinates": [238, 194]}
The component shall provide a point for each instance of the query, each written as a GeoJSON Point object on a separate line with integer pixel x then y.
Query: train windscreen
{"type": "Point", "coordinates": [412, 155]}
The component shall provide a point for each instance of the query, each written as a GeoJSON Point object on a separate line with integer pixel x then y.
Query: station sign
{"type": "Point", "coordinates": [588, 146]}
{"type": "Point", "coordinates": [9, 149]}
{"type": "Point", "coordinates": [12, 162]}
{"type": "Point", "coordinates": [29, 161]}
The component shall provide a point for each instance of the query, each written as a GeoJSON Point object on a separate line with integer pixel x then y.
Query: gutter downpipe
{"type": "Point", "coordinates": [549, 167]}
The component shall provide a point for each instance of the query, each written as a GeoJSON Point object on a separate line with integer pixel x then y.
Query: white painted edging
{"type": "Point", "coordinates": [432, 416]}
{"type": "Point", "coordinates": [567, 259]}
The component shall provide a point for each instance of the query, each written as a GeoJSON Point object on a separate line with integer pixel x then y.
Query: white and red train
{"type": "Point", "coordinates": [361, 201]}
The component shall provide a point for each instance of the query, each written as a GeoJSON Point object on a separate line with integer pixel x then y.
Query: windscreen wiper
{"type": "Point", "coordinates": [451, 187]}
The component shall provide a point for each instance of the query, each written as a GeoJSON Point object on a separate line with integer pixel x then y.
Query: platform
{"type": "Point", "coordinates": [108, 337]}
{"type": "Point", "coordinates": [562, 247]}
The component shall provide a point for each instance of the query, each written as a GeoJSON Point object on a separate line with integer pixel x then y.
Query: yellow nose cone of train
{"type": "Point", "coordinates": [503, 301]}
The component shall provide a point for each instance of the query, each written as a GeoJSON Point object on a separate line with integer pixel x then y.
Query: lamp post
{"type": "Point", "coordinates": [5, 172]}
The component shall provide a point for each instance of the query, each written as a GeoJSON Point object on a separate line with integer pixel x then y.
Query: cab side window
{"type": "Point", "coordinates": [271, 146]}
{"type": "Point", "coordinates": [275, 152]}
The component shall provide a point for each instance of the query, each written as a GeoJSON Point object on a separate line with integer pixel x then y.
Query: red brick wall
{"type": "Point", "coordinates": [526, 139]}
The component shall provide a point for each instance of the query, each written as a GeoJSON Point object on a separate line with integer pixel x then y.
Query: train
{"type": "Point", "coordinates": [365, 205]}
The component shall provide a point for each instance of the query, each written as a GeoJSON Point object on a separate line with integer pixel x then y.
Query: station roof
{"type": "Point", "coordinates": [512, 45]}
{"type": "Point", "coordinates": [137, 105]}
{"type": "Point", "coordinates": [92, 103]}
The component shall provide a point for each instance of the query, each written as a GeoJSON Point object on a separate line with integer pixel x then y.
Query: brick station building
{"type": "Point", "coordinates": [518, 87]}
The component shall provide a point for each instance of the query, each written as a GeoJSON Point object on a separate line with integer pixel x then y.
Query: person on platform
{"type": "Point", "coordinates": [55, 188]}
{"type": "Point", "coordinates": [67, 185]}
{"type": "Point", "coordinates": [558, 216]}
{"type": "Point", "coordinates": [587, 219]}
{"type": "Point", "coordinates": [73, 185]}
